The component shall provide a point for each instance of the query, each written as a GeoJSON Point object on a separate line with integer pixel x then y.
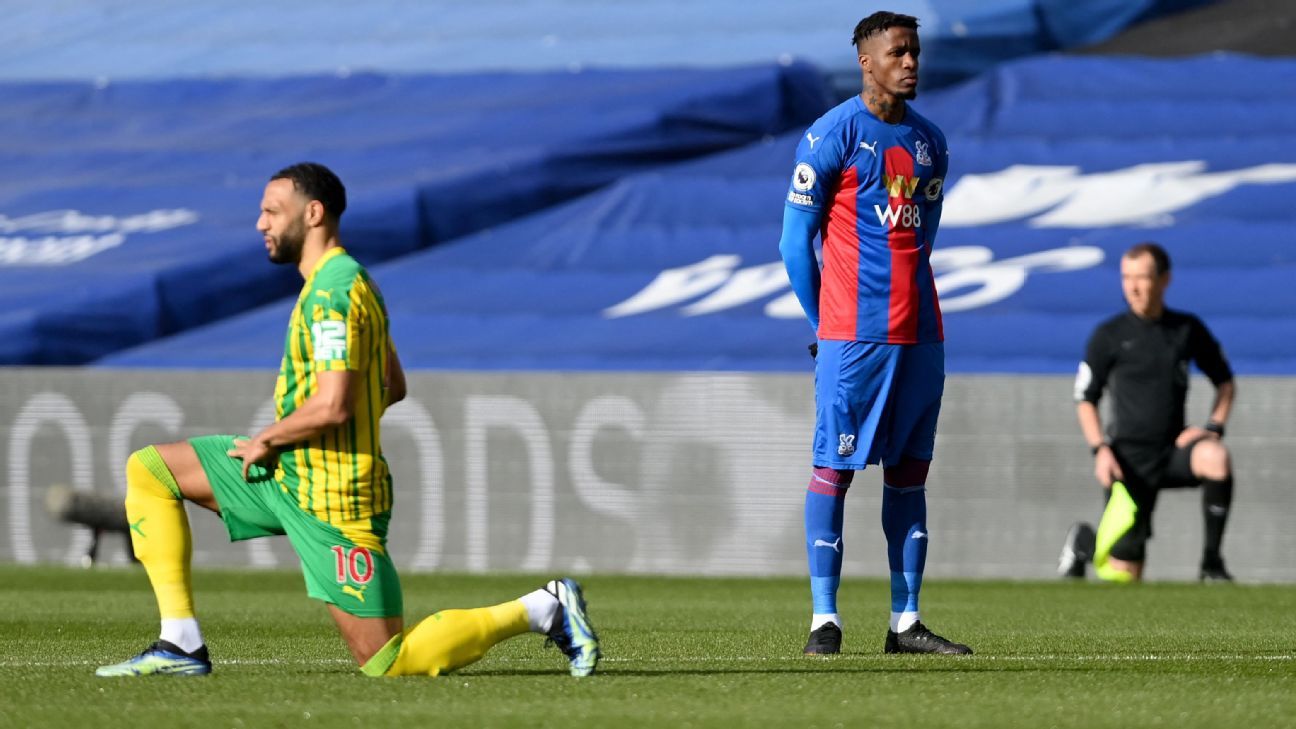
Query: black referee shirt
{"type": "Point", "coordinates": [1145, 365]}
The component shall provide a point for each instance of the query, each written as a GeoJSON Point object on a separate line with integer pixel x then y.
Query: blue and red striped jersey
{"type": "Point", "coordinates": [877, 189]}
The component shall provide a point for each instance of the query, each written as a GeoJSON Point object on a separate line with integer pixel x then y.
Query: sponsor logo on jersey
{"type": "Point", "coordinates": [933, 189]}
{"type": "Point", "coordinates": [803, 177]}
{"type": "Point", "coordinates": [923, 157]}
{"type": "Point", "coordinates": [812, 139]}
{"type": "Point", "coordinates": [900, 186]}
{"type": "Point", "coordinates": [870, 147]}
{"type": "Point", "coordinates": [902, 216]}
{"type": "Point", "coordinates": [330, 340]}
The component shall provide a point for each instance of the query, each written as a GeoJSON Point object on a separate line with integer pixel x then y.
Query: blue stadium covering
{"type": "Point", "coordinates": [127, 210]}
{"type": "Point", "coordinates": [133, 39]}
{"type": "Point", "coordinates": [1059, 164]}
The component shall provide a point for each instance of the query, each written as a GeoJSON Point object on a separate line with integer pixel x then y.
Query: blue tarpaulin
{"type": "Point", "coordinates": [134, 39]}
{"type": "Point", "coordinates": [1057, 166]}
{"type": "Point", "coordinates": [127, 210]}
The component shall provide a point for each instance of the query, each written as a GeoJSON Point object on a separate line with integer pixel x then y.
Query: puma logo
{"type": "Point", "coordinates": [353, 592]}
{"type": "Point", "coordinates": [834, 546]}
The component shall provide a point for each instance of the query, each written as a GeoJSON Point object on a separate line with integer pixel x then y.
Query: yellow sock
{"type": "Point", "coordinates": [448, 640]}
{"type": "Point", "coordinates": [159, 530]}
{"type": "Point", "coordinates": [1117, 518]}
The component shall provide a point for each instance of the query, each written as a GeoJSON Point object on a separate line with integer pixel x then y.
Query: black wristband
{"type": "Point", "coordinates": [1216, 427]}
{"type": "Point", "coordinates": [1094, 450]}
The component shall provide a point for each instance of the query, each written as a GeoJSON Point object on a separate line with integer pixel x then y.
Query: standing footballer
{"type": "Point", "coordinates": [868, 176]}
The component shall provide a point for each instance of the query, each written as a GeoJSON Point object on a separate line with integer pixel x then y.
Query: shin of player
{"type": "Point", "coordinates": [904, 521]}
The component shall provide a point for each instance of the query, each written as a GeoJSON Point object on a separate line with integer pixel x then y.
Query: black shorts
{"type": "Point", "coordinates": [1148, 469]}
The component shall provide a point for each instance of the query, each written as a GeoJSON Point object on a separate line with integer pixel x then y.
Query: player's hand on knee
{"type": "Point", "coordinates": [1192, 433]}
{"type": "Point", "coordinates": [253, 451]}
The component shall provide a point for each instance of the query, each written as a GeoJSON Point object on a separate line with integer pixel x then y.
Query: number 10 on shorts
{"type": "Point", "coordinates": [353, 562]}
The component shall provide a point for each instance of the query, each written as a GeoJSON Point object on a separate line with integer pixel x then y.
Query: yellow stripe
{"type": "Point", "coordinates": [343, 479]}
{"type": "Point", "coordinates": [362, 359]}
{"type": "Point", "coordinates": [360, 533]}
{"type": "Point", "coordinates": [300, 362]}
{"type": "Point", "coordinates": [336, 478]}
{"type": "Point", "coordinates": [320, 483]}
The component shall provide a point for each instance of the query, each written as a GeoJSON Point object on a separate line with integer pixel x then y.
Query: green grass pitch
{"type": "Point", "coordinates": [677, 653]}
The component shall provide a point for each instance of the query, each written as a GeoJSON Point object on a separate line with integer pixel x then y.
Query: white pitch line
{"type": "Point", "coordinates": [974, 657]}
{"type": "Point", "coordinates": [731, 659]}
{"type": "Point", "coordinates": [219, 662]}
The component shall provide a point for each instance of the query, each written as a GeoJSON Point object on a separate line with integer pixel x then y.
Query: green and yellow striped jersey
{"type": "Point", "coordinates": [339, 323]}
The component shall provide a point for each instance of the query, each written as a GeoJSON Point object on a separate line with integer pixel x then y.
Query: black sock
{"type": "Point", "coordinates": [1217, 496]}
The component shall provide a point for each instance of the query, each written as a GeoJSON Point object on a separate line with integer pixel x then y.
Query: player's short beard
{"type": "Point", "coordinates": [288, 247]}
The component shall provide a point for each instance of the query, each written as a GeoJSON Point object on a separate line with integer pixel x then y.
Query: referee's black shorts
{"type": "Point", "coordinates": [1148, 469]}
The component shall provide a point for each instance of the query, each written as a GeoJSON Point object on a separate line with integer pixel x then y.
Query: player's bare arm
{"type": "Point", "coordinates": [1224, 395]}
{"type": "Point", "coordinates": [395, 380]}
{"type": "Point", "coordinates": [331, 406]}
{"type": "Point", "coordinates": [1219, 415]}
{"type": "Point", "coordinates": [1106, 467]}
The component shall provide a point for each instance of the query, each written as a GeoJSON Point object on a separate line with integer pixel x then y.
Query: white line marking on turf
{"type": "Point", "coordinates": [984, 657]}
{"type": "Point", "coordinates": [731, 659]}
{"type": "Point", "coordinates": [219, 662]}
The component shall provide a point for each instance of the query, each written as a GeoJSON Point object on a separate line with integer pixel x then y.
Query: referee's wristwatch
{"type": "Point", "coordinates": [1215, 426]}
{"type": "Point", "coordinates": [1094, 449]}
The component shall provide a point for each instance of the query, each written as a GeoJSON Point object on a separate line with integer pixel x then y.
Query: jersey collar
{"type": "Point", "coordinates": [329, 255]}
{"type": "Point", "coordinates": [859, 103]}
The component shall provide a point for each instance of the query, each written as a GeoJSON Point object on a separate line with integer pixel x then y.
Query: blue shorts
{"type": "Point", "coordinates": [876, 403]}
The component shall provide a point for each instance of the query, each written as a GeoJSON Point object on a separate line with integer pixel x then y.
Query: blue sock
{"type": "Point", "coordinates": [904, 521]}
{"type": "Point", "coordinates": [824, 506]}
